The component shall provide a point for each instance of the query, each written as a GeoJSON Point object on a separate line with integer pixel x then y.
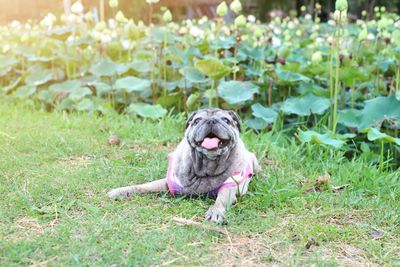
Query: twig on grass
{"type": "Point", "coordinates": [183, 221]}
{"type": "Point", "coordinates": [7, 135]}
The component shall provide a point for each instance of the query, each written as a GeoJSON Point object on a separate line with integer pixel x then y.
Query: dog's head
{"type": "Point", "coordinates": [213, 132]}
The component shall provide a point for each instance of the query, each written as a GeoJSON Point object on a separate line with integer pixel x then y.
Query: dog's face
{"type": "Point", "coordinates": [213, 132]}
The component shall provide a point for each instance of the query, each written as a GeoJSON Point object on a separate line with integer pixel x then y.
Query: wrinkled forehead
{"type": "Point", "coordinates": [207, 113]}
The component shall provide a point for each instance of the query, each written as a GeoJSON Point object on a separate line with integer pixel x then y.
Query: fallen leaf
{"type": "Point", "coordinates": [321, 180]}
{"type": "Point", "coordinates": [376, 234]}
{"type": "Point", "coordinates": [270, 162]}
{"type": "Point", "coordinates": [336, 189]}
{"type": "Point", "coordinates": [311, 242]}
{"type": "Point", "coordinates": [114, 140]}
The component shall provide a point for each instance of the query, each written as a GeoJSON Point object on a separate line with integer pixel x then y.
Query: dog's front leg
{"type": "Point", "coordinates": [127, 191]}
{"type": "Point", "coordinates": [226, 197]}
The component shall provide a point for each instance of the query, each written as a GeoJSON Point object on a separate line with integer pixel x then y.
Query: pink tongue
{"type": "Point", "coordinates": [210, 143]}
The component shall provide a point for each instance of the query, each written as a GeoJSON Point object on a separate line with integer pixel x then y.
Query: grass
{"type": "Point", "coordinates": [55, 169]}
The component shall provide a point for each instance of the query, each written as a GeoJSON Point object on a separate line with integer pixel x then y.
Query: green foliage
{"type": "Point", "coordinates": [306, 77]}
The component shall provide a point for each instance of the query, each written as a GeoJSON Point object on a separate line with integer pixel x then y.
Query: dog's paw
{"type": "Point", "coordinates": [117, 194]}
{"type": "Point", "coordinates": [215, 214]}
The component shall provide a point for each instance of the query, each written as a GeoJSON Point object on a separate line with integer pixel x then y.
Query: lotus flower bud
{"type": "Point", "coordinates": [340, 16]}
{"type": "Point", "coordinates": [236, 6]}
{"type": "Point", "coordinates": [113, 3]}
{"type": "Point", "coordinates": [240, 21]}
{"type": "Point", "coordinates": [167, 16]}
{"type": "Point", "coordinates": [363, 35]}
{"type": "Point", "coordinates": [316, 57]}
{"type": "Point", "coordinates": [364, 13]}
{"type": "Point", "coordinates": [341, 5]}
{"type": "Point", "coordinates": [222, 9]}
{"type": "Point", "coordinates": [120, 17]}
{"type": "Point", "coordinates": [77, 7]}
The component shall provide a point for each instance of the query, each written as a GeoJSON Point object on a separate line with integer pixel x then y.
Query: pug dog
{"type": "Point", "coordinates": [211, 159]}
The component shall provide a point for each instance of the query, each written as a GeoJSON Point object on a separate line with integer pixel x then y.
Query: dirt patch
{"type": "Point", "coordinates": [75, 162]}
{"type": "Point", "coordinates": [29, 228]}
{"type": "Point", "coordinates": [266, 250]}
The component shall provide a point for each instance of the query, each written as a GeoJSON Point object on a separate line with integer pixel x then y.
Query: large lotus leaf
{"type": "Point", "coordinates": [256, 123]}
{"type": "Point", "coordinates": [66, 104]}
{"type": "Point", "coordinates": [108, 68]}
{"type": "Point", "coordinates": [192, 100]}
{"type": "Point", "coordinates": [7, 61]}
{"type": "Point", "coordinates": [4, 70]}
{"type": "Point", "coordinates": [292, 77]}
{"type": "Point", "coordinates": [11, 85]}
{"type": "Point", "coordinates": [192, 74]}
{"type": "Point", "coordinates": [140, 65]}
{"type": "Point", "coordinates": [132, 84]}
{"type": "Point", "coordinates": [34, 58]}
{"type": "Point", "coordinates": [79, 93]}
{"type": "Point", "coordinates": [350, 117]}
{"type": "Point", "coordinates": [146, 110]}
{"type": "Point", "coordinates": [384, 65]}
{"type": "Point", "coordinates": [25, 91]}
{"type": "Point", "coordinates": [85, 105]}
{"type": "Point", "coordinates": [234, 92]}
{"type": "Point", "coordinates": [314, 88]}
{"type": "Point", "coordinates": [47, 96]}
{"type": "Point", "coordinates": [170, 100]}
{"type": "Point", "coordinates": [213, 68]}
{"type": "Point", "coordinates": [267, 114]}
{"type": "Point", "coordinates": [350, 74]}
{"type": "Point", "coordinates": [306, 105]}
{"type": "Point", "coordinates": [38, 77]}
{"type": "Point", "coordinates": [102, 88]}
{"type": "Point", "coordinates": [375, 134]}
{"type": "Point", "coordinates": [324, 139]}
{"type": "Point", "coordinates": [378, 109]}
{"type": "Point", "coordinates": [67, 86]}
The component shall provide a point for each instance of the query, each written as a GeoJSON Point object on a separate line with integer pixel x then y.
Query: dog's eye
{"type": "Point", "coordinates": [226, 120]}
{"type": "Point", "coordinates": [196, 121]}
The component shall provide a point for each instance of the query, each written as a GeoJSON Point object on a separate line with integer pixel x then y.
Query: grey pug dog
{"type": "Point", "coordinates": [210, 159]}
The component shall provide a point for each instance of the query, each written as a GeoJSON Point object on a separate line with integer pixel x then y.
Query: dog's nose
{"type": "Point", "coordinates": [213, 121]}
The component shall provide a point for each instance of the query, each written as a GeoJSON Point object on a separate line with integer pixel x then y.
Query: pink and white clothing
{"type": "Point", "coordinates": [240, 180]}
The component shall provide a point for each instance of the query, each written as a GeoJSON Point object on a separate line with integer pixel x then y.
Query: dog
{"type": "Point", "coordinates": [211, 159]}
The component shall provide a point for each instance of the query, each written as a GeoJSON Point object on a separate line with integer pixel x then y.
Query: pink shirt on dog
{"type": "Point", "coordinates": [239, 179]}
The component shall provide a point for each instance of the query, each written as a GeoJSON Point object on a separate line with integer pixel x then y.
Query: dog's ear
{"type": "Point", "coordinates": [189, 120]}
{"type": "Point", "coordinates": [236, 119]}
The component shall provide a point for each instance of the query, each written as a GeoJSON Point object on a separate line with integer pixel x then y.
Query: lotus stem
{"type": "Point", "coordinates": [381, 157]}
{"type": "Point", "coordinates": [336, 90]}
{"type": "Point", "coordinates": [398, 75]}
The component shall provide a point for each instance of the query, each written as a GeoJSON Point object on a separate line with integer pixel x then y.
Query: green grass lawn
{"type": "Point", "coordinates": [55, 170]}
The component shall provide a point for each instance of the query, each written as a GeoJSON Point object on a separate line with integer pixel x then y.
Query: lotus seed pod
{"type": "Point", "coordinates": [341, 5]}
{"type": "Point", "coordinates": [222, 9]}
{"type": "Point", "coordinates": [240, 21]}
{"type": "Point", "coordinates": [167, 16]}
{"type": "Point", "coordinates": [236, 6]}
